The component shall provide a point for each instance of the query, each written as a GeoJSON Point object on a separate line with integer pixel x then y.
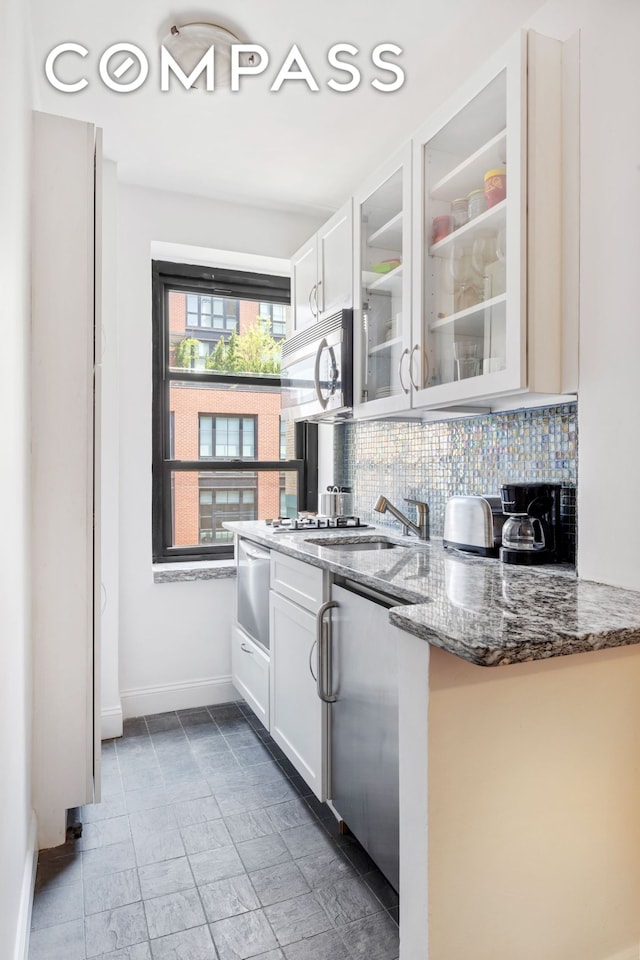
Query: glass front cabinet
{"type": "Point", "coordinates": [382, 290]}
{"type": "Point", "coordinates": [484, 254]}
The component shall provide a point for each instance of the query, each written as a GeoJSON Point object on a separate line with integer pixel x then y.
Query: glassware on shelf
{"type": "Point", "coordinates": [464, 292]}
{"type": "Point", "coordinates": [459, 213]}
{"type": "Point", "coordinates": [483, 253]}
{"type": "Point", "coordinates": [465, 354]}
{"type": "Point", "coordinates": [476, 203]}
{"type": "Point", "coordinates": [441, 228]}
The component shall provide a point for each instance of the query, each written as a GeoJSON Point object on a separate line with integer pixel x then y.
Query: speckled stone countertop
{"type": "Point", "coordinates": [480, 609]}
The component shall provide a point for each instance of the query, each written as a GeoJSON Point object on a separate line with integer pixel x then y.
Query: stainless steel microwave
{"type": "Point", "coordinates": [316, 370]}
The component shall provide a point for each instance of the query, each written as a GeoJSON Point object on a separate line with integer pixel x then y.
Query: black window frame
{"type": "Point", "coordinates": [225, 283]}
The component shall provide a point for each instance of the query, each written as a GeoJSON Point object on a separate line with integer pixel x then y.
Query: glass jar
{"type": "Point", "coordinates": [459, 213]}
{"type": "Point", "coordinates": [495, 186]}
{"type": "Point", "coordinates": [440, 228]}
{"type": "Point", "coordinates": [477, 203]}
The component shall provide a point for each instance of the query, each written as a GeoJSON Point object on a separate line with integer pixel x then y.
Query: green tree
{"type": "Point", "coordinates": [257, 351]}
{"type": "Point", "coordinates": [186, 351]}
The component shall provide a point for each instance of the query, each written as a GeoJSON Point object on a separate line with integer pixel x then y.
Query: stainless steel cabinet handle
{"type": "Point", "coordinates": [255, 554]}
{"type": "Point", "coordinates": [405, 353]}
{"type": "Point", "coordinates": [311, 293]}
{"type": "Point", "coordinates": [323, 639]}
{"type": "Point", "coordinates": [246, 649]}
{"type": "Point", "coordinates": [413, 383]}
{"type": "Point", "coordinates": [318, 307]}
{"type": "Point", "coordinates": [314, 645]}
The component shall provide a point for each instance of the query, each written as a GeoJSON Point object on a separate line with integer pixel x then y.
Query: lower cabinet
{"type": "Point", "coordinates": [250, 673]}
{"type": "Point", "coordinates": [298, 716]}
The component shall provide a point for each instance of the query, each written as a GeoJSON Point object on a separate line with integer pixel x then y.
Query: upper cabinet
{"type": "Point", "coordinates": [488, 239]}
{"type": "Point", "coordinates": [321, 271]}
{"type": "Point", "coordinates": [382, 290]}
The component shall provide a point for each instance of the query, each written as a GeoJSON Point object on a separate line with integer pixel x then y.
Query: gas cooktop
{"type": "Point", "coordinates": [287, 525]}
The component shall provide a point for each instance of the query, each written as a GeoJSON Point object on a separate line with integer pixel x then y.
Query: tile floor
{"type": "Point", "coordinates": [208, 846]}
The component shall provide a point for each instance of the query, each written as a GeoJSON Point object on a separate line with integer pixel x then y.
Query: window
{"type": "Point", "coordinates": [273, 317]}
{"type": "Point", "coordinates": [220, 450]}
{"type": "Point", "coordinates": [213, 313]}
{"type": "Point", "coordinates": [232, 437]}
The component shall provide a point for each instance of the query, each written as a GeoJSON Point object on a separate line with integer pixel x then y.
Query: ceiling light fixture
{"type": "Point", "coordinates": [188, 43]}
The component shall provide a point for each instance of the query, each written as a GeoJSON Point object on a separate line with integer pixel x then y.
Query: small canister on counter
{"type": "Point", "coordinates": [495, 186]}
{"type": "Point", "coordinates": [441, 227]}
{"type": "Point", "coordinates": [477, 203]}
{"type": "Point", "coordinates": [459, 213]}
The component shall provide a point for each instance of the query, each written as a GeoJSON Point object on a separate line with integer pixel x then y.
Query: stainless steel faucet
{"type": "Point", "coordinates": [421, 529]}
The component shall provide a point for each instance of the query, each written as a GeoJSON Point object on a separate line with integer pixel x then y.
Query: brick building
{"type": "Point", "coordinates": [223, 423]}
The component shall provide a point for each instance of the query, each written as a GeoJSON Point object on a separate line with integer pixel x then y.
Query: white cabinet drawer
{"type": "Point", "coordinates": [299, 581]}
{"type": "Point", "coordinates": [250, 674]}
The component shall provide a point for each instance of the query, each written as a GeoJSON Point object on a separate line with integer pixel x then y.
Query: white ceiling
{"type": "Point", "coordinates": [292, 149]}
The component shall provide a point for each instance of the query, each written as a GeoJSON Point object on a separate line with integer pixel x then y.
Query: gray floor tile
{"type": "Point", "coordinates": [150, 823]}
{"type": "Point", "coordinates": [188, 812]}
{"type": "Point", "coordinates": [272, 955]}
{"type": "Point", "coordinates": [279, 792]}
{"type": "Point", "coordinates": [238, 799]}
{"type": "Point", "coordinates": [196, 718]}
{"type": "Point", "coordinates": [241, 738]}
{"type": "Point", "coordinates": [58, 872]}
{"type": "Point", "coordinates": [113, 807]}
{"type": "Point", "coordinates": [228, 898]}
{"type": "Point", "coordinates": [174, 912]}
{"type": "Point", "coordinates": [202, 732]}
{"type": "Point", "coordinates": [280, 882]}
{"type": "Point", "coordinates": [375, 938]}
{"type": "Point", "coordinates": [114, 890]}
{"type": "Point", "coordinates": [138, 779]}
{"type": "Point", "coordinates": [115, 929]}
{"type": "Point", "coordinates": [193, 944]}
{"type": "Point", "coordinates": [306, 839]}
{"type": "Point", "coordinates": [181, 772]}
{"type": "Point", "coordinates": [249, 826]}
{"type": "Point", "coordinates": [325, 866]}
{"type": "Point", "coordinates": [134, 727]}
{"type": "Point", "coordinates": [226, 780]}
{"type": "Point", "coordinates": [110, 859]}
{"type": "Point", "coordinates": [291, 813]}
{"type": "Point", "coordinates": [145, 799]}
{"type": "Point", "coordinates": [139, 951]}
{"type": "Point", "coordinates": [324, 946]}
{"type": "Point", "coordinates": [225, 712]}
{"type": "Point", "coordinates": [243, 936]}
{"type": "Point", "coordinates": [205, 836]}
{"type": "Point", "coordinates": [57, 905]}
{"type": "Point", "coordinates": [267, 772]}
{"type": "Point", "coordinates": [221, 761]}
{"type": "Point", "coordinates": [263, 852]}
{"type": "Point", "coordinates": [249, 756]}
{"type": "Point", "coordinates": [165, 846]}
{"type": "Point", "coordinates": [168, 876]}
{"type": "Point", "coordinates": [216, 864]}
{"type": "Point", "coordinates": [102, 833]}
{"type": "Point", "coordinates": [394, 913]}
{"type": "Point", "coordinates": [192, 790]}
{"type": "Point", "coordinates": [159, 722]}
{"type": "Point", "coordinates": [297, 919]}
{"type": "Point", "coordinates": [347, 900]}
{"type": "Point", "coordinates": [64, 941]}
{"type": "Point", "coordinates": [215, 745]}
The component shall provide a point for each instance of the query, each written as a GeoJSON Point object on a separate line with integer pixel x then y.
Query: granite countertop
{"type": "Point", "coordinates": [489, 613]}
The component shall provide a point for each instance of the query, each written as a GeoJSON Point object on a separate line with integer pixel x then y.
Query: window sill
{"type": "Point", "coordinates": [186, 570]}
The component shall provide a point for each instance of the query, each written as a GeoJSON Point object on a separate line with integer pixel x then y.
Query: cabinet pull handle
{"type": "Point", "coordinates": [318, 307]}
{"type": "Point", "coordinates": [405, 353]}
{"type": "Point", "coordinates": [413, 383]}
{"type": "Point", "coordinates": [245, 648]}
{"type": "Point", "coordinates": [323, 637]}
{"type": "Point", "coordinates": [314, 675]}
{"type": "Point", "coordinates": [311, 293]}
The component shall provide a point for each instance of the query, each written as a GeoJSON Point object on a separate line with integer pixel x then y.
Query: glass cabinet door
{"type": "Point", "coordinates": [472, 310]}
{"type": "Point", "coordinates": [383, 284]}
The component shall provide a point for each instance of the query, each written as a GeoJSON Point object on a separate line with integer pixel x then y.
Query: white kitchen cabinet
{"type": "Point", "coordinates": [298, 716]}
{"type": "Point", "coordinates": [321, 271]}
{"type": "Point", "coordinates": [383, 349]}
{"type": "Point", "coordinates": [298, 581]}
{"type": "Point", "coordinates": [250, 673]}
{"type": "Point", "coordinates": [488, 283]}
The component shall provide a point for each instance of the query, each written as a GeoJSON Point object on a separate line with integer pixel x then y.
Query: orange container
{"type": "Point", "coordinates": [495, 186]}
{"type": "Point", "coordinates": [441, 227]}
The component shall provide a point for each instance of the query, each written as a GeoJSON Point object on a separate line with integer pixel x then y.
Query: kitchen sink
{"type": "Point", "coordinates": [352, 547]}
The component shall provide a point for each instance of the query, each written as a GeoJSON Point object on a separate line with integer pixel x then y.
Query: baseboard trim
{"type": "Point", "coordinates": [21, 951]}
{"type": "Point", "coordinates": [177, 696]}
{"type": "Point", "coordinates": [111, 722]}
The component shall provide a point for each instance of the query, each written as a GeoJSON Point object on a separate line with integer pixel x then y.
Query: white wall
{"type": "Point", "coordinates": [174, 638]}
{"type": "Point", "coordinates": [17, 835]}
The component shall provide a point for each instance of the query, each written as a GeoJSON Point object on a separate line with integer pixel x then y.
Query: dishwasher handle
{"type": "Point", "coordinates": [323, 640]}
{"type": "Point", "coordinates": [253, 552]}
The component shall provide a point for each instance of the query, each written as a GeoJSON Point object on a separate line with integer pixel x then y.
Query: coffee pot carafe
{"type": "Point", "coordinates": [531, 531]}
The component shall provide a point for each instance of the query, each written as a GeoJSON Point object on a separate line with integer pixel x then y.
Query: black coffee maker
{"type": "Point", "coordinates": [531, 532]}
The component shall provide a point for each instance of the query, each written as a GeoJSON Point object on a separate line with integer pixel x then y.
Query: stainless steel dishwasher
{"type": "Point", "coordinates": [359, 679]}
{"type": "Point", "coordinates": [253, 591]}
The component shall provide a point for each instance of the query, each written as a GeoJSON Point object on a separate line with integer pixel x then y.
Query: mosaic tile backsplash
{"type": "Point", "coordinates": [435, 461]}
